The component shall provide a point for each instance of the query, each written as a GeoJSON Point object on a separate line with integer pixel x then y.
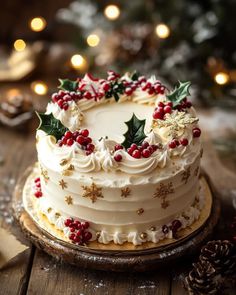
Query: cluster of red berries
{"type": "Point", "coordinates": [81, 137]}
{"type": "Point", "coordinates": [175, 143]}
{"type": "Point", "coordinates": [112, 76]}
{"type": "Point", "coordinates": [196, 132]}
{"type": "Point", "coordinates": [185, 104]}
{"type": "Point", "coordinates": [62, 98]}
{"type": "Point", "coordinates": [78, 231]}
{"type": "Point", "coordinates": [162, 109]}
{"type": "Point", "coordinates": [143, 151]}
{"type": "Point", "coordinates": [175, 225]}
{"type": "Point", "coordinates": [37, 188]}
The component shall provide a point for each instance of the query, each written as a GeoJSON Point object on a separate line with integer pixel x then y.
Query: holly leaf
{"type": "Point", "coordinates": [134, 76]}
{"type": "Point", "coordinates": [135, 133]}
{"type": "Point", "coordinates": [51, 125]}
{"type": "Point", "coordinates": [69, 85]}
{"type": "Point", "coordinates": [116, 89]}
{"type": "Point", "coordinates": [179, 93]}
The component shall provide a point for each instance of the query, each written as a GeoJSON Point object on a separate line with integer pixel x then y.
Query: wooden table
{"type": "Point", "coordinates": [34, 272]}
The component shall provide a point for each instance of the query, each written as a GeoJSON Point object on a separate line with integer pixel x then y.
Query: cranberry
{"type": "Point", "coordinates": [68, 134]}
{"type": "Point", "coordinates": [85, 224]}
{"type": "Point", "coordinates": [60, 102]}
{"type": "Point", "coordinates": [71, 236]}
{"type": "Point", "coordinates": [87, 95]}
{"type": "Point", "coordinates": [118, 147]}
{"type": "Point", "coordinates": [136, 154]}
{"type": "Point", "coordinates": [65, 106]}
{"type": "Point", "coordinates": [172, 144]}
{"type": "Point", "coordinates": [106, 87]}
{"type": "Point", "coordinates": [184, 141]}
{"type": "Point", "coordinates": [151, 91]}
{"type": "Point", "coordinates": [175, 225]}
{"type": "Point", "coordinates": [170, 104]}
{"type": "Point", "coordinates": [84, 132]}
{"type": "Point", "coordinates": [80, 139]}
{"type": "Point", "coordinates": [161, 104]}
{"type": "Point", "coordinates": [158, 114]}
{"type": "Point", "coordinates": [38, 194]}
{"type": "Point", "coordinates": [87, 236]}
{"type": "Point", "coordinates": [68, 221]}
{"type": "Point", "coordinates": [128, 91]}
{"type": "Point", "coordinates": [167, 109]}
{"type": "Point", "coordinates": [196, 132]}
{"type": "Point", "coordinates": [145, 144]}
{"type": "Point", "coordinates": [118, 157]}
{"type": "Point", "coordinates": [37, 179]}
{"type": "Point", "coordinates": [176, 142]}
{"type": "Point", "coordinates": [72, 229]}
{"type": "Point", "coordinates": [90, 147]}
{"type": "Point", "coordinates": [146, 153]}
{"type": "Point", "coordinates": [133, 146]}
{"type": "Point", "coordinates": [69, 142]}
{"type": "Point", "coordinates": [150, 149]}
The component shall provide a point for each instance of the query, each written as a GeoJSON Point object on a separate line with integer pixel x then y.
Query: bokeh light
{"type": "Point", "coordinates": [93, 40]}
{"type": "Point", "coordinates": [19, 45]}
{"type": "Point", "coordinates": [221, 78]}
{"type": "Point", "coordinates": [77, 61]}
{"type": "Point", "coordinates": [112, 12]}
{"type": "Point", "coordinates": [39, 87]}
{"type": "Point", "coordinates": [162, 31]}
{"type": "Point", "coordinates": [38, 24]}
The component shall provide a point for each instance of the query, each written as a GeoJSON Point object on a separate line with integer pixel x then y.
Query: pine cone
{"type": "Point", "coordinates": [221, 254]}
{"type": "Point", "coordinates": [202, 279]}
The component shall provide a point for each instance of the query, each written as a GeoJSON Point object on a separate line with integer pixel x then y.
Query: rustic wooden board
{"type": "Point", "coordinates": [126, 258]}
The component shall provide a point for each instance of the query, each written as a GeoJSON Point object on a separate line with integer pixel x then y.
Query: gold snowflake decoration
{"type": "Point", "coordinates": [69, 200]}
{"type": "Point", "coordinates": [63, 184]}
{"type": "Point", "coordinates": [162, 192]}
{"type": "Point", "coordinates": [140, 211]}
{"type": "Point", "coordinates": [125, 192]}
{"type": "Point", "coordinates": [69, 170]}
{"type": "Point", "coordinates": [93, 192]}
{"type": "Point", "coordinates": [186, 175]}
{"type": "Point", "coordinates": [175, 122]}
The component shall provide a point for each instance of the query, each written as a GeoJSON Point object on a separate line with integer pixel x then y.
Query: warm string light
{"type": "Point", "coordinates": [93, 40]}
{"type": "Point", "coordinates": [39, 87]}
{"type": "Point", "coordinates": [78, 61]}
{"type": "Point", "coordinates": [162, 31]}
{"type": "Point", "coordinates": [19, 45]}
{"type": "Point", "coordinates": [112, 12]}
{"type": "Point", "coordinates": [221, 78]}
{"type": "Point", "coordinates": [38, 24]}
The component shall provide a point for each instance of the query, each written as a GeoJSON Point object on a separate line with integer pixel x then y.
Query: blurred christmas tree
{"type": "Point", "coordinates": [186, 40]}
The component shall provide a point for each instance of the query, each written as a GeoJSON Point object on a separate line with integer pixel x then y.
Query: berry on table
{"type": "Point", "coordinates": [196, 132]}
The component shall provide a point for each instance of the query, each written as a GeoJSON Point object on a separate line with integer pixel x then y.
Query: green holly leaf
{"type": "Point", "coordinates": [51, 125]}
{"type": "Point", "coordinates": [179, 93]}
{"type": "Point", "coordinates": [116, 89]}
{"type": "Point", "coordinates": [134, 76]}
{"type": "Point", "coordinates": [135, 133]}
{"type": "Point", "coordinates": [69, 85]}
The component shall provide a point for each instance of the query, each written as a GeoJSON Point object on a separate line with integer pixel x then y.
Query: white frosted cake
{"type": "Point", "coordinates": [119, 160]}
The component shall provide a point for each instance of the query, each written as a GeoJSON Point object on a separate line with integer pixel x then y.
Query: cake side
{"type": "Point", "coordinates": [124, 194]}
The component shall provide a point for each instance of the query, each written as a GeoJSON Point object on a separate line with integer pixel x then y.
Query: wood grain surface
{"type": "Point", "coordinates": [34, 272]}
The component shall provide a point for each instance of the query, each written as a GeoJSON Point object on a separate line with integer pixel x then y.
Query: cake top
{"type": "Point", "coordinates": [128, 123]}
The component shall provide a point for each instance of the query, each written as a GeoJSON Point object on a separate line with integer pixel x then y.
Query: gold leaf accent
{"type": "Point", "coordinates": [44, 173]}
{"type": "Point", "coordinates": [63, 162]}
{"type": "Point", "coordinates": [93, 192]}
{"type": "Point", "coordinates": [71, 167]}
{"type": "Point", "coordinates": [57, 214]}
{"type": "Point", "coordinates": [140, 211]}
{"type": "Point", "coordinates": [49, 210]}
{"type": "Point", "coordinates": [63, 184]}
{"type": "Point", "coordinates": [69, 200]}
{"type": "Point", "coordinates": [125, 192]}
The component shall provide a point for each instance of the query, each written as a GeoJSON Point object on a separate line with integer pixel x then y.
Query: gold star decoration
{"type": "Point", "coordinates": [62, 183]}
{"type": "Point", "coordinates": [175, 122]}
{"type": "Point", "coordinates": [93, 192]}
{"type": "Point", "coordinates": [125, 192]}
{"type": "Point", "coordinates": [69, 200]}
{"type": "Point", "coordinates": [162, 192]}
{"type": "Point", "coordinates": [186, 175]}
{"type": "Point", "coordinates": [44, 173]}
{"type": "Point", "coordinates": [140, 211]}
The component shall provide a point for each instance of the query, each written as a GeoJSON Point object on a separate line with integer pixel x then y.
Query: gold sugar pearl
{"type": "Point", "coordinates": [143, 236]}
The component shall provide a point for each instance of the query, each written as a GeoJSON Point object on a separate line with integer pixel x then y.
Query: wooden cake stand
{"type": "Point", "coordinates": [127, 257]}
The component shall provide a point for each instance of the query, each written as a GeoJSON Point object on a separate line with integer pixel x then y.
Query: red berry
{"type": "Point", "coordinates": [188, 104]}
{"type": "Point", "coordinates": [150, 148]}
{"type": "Point", "coordinates": [151, 91]}
{"type": "Point", "coordinates": [184, 141]}
{"type": "Point", "coordinates": [55, 97]}
{"type": "Point", "coordinates": [118, 157]}
{"type": "Point", "coordinates": [128, 91]}
{"type": "Point", "coordinates": [88, 153]}
{"type": "Point", "coordinates": [84, 132]}
{"type": "Point", "coordinates": [68, 221]}
{"type": "Point", "coordinates": [72, 236]}
{"type": "Point", "coordinates": [129, 151]}
{"type": "Point", "coordinates": [118, 147]}
{"type": "Point", "coordinates": [65, 106]}
{"type": "Point", "coordinates": [87, 236]}
{"type": "Point", "coordinates": [80, 139]}
{"type": "Point", "coordinates": [60, 102]}
{"type": "Point", "coordinates": [68, 134]}
{"type": "Point", "coordinates": [37, 179]}
{"type": "Point", "coordinates": [136, 154]}
{"type": "Point", "coordinates": [88, 140]}
{"type": "Point", "coordinates": [60, 142]}
{"type": "Point", "coordinates": [79, 233]}
{"type": "Point", "coordinates": [158, 115]}
{"type": "Point", "coordinates": [146, 153]}
{"type": "Point", "coordinates": [90, 147]}
{"type": "Point", "coordinates": [38, 194]}
{"type": "Point", "coordinates": [172, 144]}
{"type": "Point", "coordinates": [161, 104]}
{"type": "Point", "coordinates": [106, 87]}
{"type": "Point", "coordinates": [72, 229]}
{"type": "Point", "coordinates": [67, 97]}
{"type": "Point", "coordinates": [170, 104]}
{"type": "Point", "coordinates": [85, 224]}
{"type": "Point", "coordinates": [133, 146]}
{"type": "Point", "coordinates": [175, 225]}
{"type": "Point", "coordinates": [145, 144]}
{"type": "Point", "coordinates": [167, 109]}
{"type": "Point", "coordinates": [176, 142]}
{"type": "Point", "coordinates": [87, 95]}
{"type": "Point", "coordinates": [69, 141]}
{"type": "Point", "coordinates": [38, 184]}
{"type": "Point", "coordinates": [196, 132]}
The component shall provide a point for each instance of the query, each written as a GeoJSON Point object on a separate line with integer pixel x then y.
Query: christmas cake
{"type": "Point", "coordinates": [118, 160]}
